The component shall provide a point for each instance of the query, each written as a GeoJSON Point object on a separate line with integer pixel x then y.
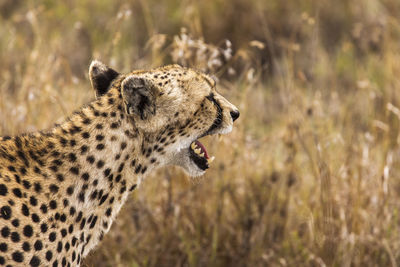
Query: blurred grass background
{"type": "Point", "coordinates": [310, 176]}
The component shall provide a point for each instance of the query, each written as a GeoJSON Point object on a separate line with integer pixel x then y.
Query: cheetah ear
{"type": "Point", "coordinates": [139, 97]}
{"type": "Point", "coordinates": [101, 77]}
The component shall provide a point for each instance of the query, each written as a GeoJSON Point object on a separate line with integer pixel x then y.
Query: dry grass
{"type": "Point", "coordinates": [310, 176]}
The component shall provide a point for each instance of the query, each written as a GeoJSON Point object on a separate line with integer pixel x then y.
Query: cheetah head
{"type": "Point", "coordinates": [173, 107]}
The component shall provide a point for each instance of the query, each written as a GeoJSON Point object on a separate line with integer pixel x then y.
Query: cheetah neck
{"type": "Point", "coordinates": [81, 173]}
{"type": "Point", "coordinates": [105, 158]}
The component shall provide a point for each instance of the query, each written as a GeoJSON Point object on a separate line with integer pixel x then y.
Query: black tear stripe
{"type": "Point", "coordinates": [218, 120]}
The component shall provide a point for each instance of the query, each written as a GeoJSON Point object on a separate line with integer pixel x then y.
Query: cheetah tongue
{"type": "Point", "coordinates": [200, 150]}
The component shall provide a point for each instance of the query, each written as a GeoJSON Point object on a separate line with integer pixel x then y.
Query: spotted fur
{"type": "Point", "coordinates": [61, 189]}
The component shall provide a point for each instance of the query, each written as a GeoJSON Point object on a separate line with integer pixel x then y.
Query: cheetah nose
{"type": "Point", "coordinates": [235, 114]}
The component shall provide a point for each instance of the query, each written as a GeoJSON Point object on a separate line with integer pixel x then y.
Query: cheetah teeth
{"type": "Point", "coordinates": [198, 150]}
{"type": "Point", "coordinates": [210, 160]}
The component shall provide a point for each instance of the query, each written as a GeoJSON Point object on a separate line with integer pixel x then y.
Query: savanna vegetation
{"type": "Point", "coordinates": [310, 176]}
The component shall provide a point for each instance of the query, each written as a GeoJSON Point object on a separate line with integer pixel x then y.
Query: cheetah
{"type": "Point", "coordinates": [61, 189]}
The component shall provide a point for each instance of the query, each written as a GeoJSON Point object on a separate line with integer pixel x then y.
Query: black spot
{"type": "Point", "coordinates": [26, 184]}
{"type": "Point", "coordinates": [67, 246]}
{"type": "Point", "coordinates": [11, 168]}
{"type": "Point", "coordinates": [90, 159]}
{"type": "Point", "coordinates": [60, 177]}
{"type": "Point", "coordinates": [26, 247]}
{"type": "Point", "coordinates": [75, 129]}
{"type": "Point", "coordinates": [17, 192]}
{"type": "Point", "coordinates": [99, 126]}
{"type": "Point", "coordinates": [72, 211]}
{"type": "Point", "coordinates": [79, 217]}
{"type": "Point", "coordinates": [35, 261]}
{"type": "Point", "coordinates": [81, 196]}
{"type": "Point", "coordinates": [35, 218]}
{"type": "Point", "coordinates": [37, 170]}
{"type": "Point", "coordinates": [132, 187]}
{"type": "Point", "coordinates": [38, 188]}
{"type": "Point", "coordinates": [74, 239]}
{"type": "Point", "coordinates": [63, 232]}
{"type": "Point", "coordinates": [93, 223]}
{"type": "Point", "coordinates": [100, 164]}
{"type": "Point", "coordinates": [121, 167]}
{"type": "Point", "coordinates": [15, 222]}
{"type": "Point", "coordinates": [5, 212]}
{"type": "Point", "coordinates": [28, 231]}
{"type": "Point", "coordinates": [99, 137]}
{"type": "Point", "coordinates": [3, 247]}
{"type": "Point", "coordinates": [144, 169]}
{"type": "Point", "coordinates": [54, 168]}
{"type": "Point", "coordinates": [85, 135]}
{"type": "Point", "coordinates": [122, 190]}
{"type": "Point", "coordinates": [5, 232]}
{"type": "Point", "coordinates": [53, 204]}
{"type": "Point", "coordinates": [53, 188]}
{"type": "Point", "coordinates": [3, 190]}
{"type": "Point", "coordinates": [59, 246]}
{"type": "Point", "coordinates": [49, 255]}
{"type": "Point", "coordinates": [17, 256]}
{"type": "Point", "coordinates": [15, 237]}
{"type": "Point", "coordinates": [52, 236]}
{"type": "Point", "coordinates": [103, 198]}
{"type": "Point", "coordinates": [25, 210]}
{"type": "Point", "coordinates": [100, 147]}
{"type": "Point", "coordinates": [74, 170]}
{"type": "Point", "coordinates": [70, 190]}
{"type": "Point", "coordinates": [43, 208]}
{"type": "Point", "coordinates": [57, 162]}
{"type": "Point", "coordinates": [114, 125]}
{"type": "Point", "coordinates": [84, 149]}
{"type": "Point", "coordinates": [38, 245]}
{"type": "Point", "coordinates": [93, 195]}
{"type": "Point", "coordinates": [108, 212]}
{"type": "Point", "coordinates": [86, 121]}
{"type": "Point", "coordinates": [33, 201]}
{"type": "Point", "coordinates": [63, 141]}
{"type": "Point", "coordinates": [138, 168]}
{"type": "Point", "coordinates": [43, 228]}
{"type": "Point", "coordinates": [71, 157]}
{"type": "Point", "coordinates": [72, 142]}
{"type": "Point", "coordinates": [107, 172]}
{"type": "Point", "coordinates": [83, 222]}
{"type": "Point", "coordinates": [55, 263]}
{"type": "Point", "coordinates": [85, 176]}
{"type": "Point", "coordinates": [2, 260]}
{"type": "Point", "coordinates": [123, 145]}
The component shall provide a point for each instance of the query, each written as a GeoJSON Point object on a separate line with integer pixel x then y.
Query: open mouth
{"type": "Point", "coordinates": [199, 155]}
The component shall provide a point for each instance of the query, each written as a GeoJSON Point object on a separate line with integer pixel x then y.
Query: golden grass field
{"type": "Point", "coordinates": [310, 176]}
